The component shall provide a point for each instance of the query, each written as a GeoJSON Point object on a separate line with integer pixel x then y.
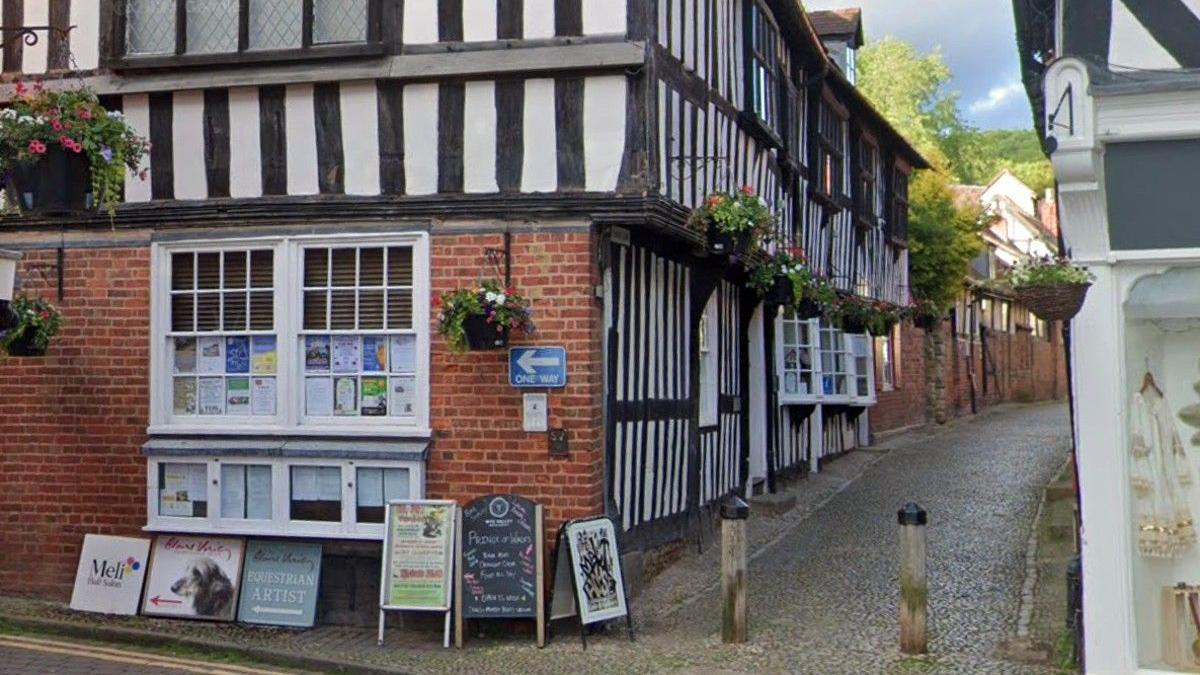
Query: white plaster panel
{"type": "Point", "coordinates": [84, 39]}
{"type": "Point", "coordinates": [603, 131]}
{"type": "Point", "coordinates": [479, 137]}
{"type": "Point", "coordinates": [603, 16]}
{"type": "Point", "coordinates": [360, 137]}
{"type": "Point", "coordinates": [187, 144]}
{"type": "Point", "coordinates": [479, 20]}
{"type": "Point", "coordinates": [539, 171]}
{"type": "Point", "coordinates": [421, 138]}
{"type": "Point", "coordinates": [33, 58]}
{"type": "Point", "coordinates": [300, 134]}
{"type": "Point", "coordinates": [538, 19]}
{"type": "Point", "coordinates": [420, 21]}
{"type": "Point", "coordinates": [136, 108]}
{"type": "Point", "coordinates": [245, 149]}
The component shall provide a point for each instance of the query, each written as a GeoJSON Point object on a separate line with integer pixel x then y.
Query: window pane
{"type": "Point", "coordinates": [183, 490]}
{"type": "Point", "coordinates": [375, 488]}
{"type": "Point", "coordinates": [262, 310]}
{"type": "Point", "coordinates": [370, 267]}
{"type": "Point", "coordinates": [234, 317]}
{"type": "Point", "coordinates": [314, 310]}
{"type": "Point", "coordinates": [399, 266]}
{"type": "Point", "coordinates": [370, 309]}
{"type": "Point", "coordinates": [235, 270]}
{"type": "Point", "coordinates": [208, 270]}
{"type": "Point", "coordinates": [182, 305]}
{"type": "Point", "coordinates": [316, 267]}
{"type": "Point", "coordinates": [399, 308]}
{"type": "Point", "coordinates": [344, 262]}
{"type": "Point", "coordinates": [275, 24]}
{"type": "Point", "coordinates": [341, 311]}
{"type": "Point", "coordinates": [316, 493]}
{"type": "Point", "coordinates": [212, 26]}
{"type": "Point", "coordinates": [246, 491]}
{"type": "Point", "coordinates": [339, 21]}
{"type": "Point", "coordinates": [182, 271]}
{"type": "Point", "coordinates": [262, 270]}
{"type": "Point", "coordinates": [208, 311]}
{"type": "Point", "coordinates": [150, 27]}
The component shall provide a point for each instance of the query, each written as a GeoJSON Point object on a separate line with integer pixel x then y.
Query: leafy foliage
{"type": "Point", "coordinates": [736, 213]}
{"type": "Point", "coordinates": [502, 306]}
{"type": "Point", "coordinates": [789, 263]}
{"type": "Point", "coordinates": [1047, 272]}
{"type": "Point", "coordinates": [73, 120]}
{"type": "Point", "coordinates": [942, 239]}
{"type": "Point", "coordinates": [37, 316]}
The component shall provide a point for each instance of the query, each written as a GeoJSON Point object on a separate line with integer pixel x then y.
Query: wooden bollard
{"type": "Point", "coordinates": [914, 588]}
{"type": "Point", "coordinates": [734, 513]}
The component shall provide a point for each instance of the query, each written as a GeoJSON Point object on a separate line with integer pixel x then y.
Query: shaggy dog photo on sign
{"type": "Point", "coordinates": [208, 588]}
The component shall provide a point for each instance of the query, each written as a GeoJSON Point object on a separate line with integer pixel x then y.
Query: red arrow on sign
{"type": "Point", "coordinates": [159, 601]}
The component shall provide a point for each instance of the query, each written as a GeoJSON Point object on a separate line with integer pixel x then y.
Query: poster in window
{"type": "Point", "coordinates": [346, 353]}
{"type": "Point", "coordinates": [264, 358]}
{"type": "Point", "coordinates": [237, 396]}
{"type": "Point", "coordinates": [318, 396]}
{"type": "Point", "coordinates": [316, 353]}
{"type": "Point", "coordinates": [404, 353]}
{"type": "Point", "coordinates": [185, 355]}
{"type": "Point", "coordinates": [182, 486]}
{"type": "Point", "coordinates": [233, 491]}
{"type": "Point", "coordinates": [404, 395]}
{"type": "Point", "coordinates": [345, 396]}
{"type": "Point", "coordinates": [374, 396]}
{"type": "Point", "coordinates": [237, 354]}
{"type": "Point", "coordinates": [375, 353]}
{"type": "Point", "coordinates": [304, 483]}
{"type": "Point", "coordinates": [262, 398]}
{"type": "Point", "coordinates": [211, 359]}
{"type": "Point", "coordinates": [185, 396]}
{"type": "Point", "coordinates": [258, 492]}
{"type": "Point", "coordinates": [212, 395]}
{"type": "Point", "coordinates": [599, 586]}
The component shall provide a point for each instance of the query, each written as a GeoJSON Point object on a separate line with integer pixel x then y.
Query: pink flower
{"type": "Point", "coordinates": [84, 113]}
{"type": "Point", "coordinates": [20, 87]}
{"type": "Point", "coordinates": [77, 148]}
{"type": "Point", "coordinates": [56, 125]}
{"type": "Point", "coordinates": [65, 141]}
{"type": "Point", "coordinates": [37, 147]}
{"type": "Point", "coordinates": [38, 86]}
{"type": "Point", "coordinates": [747, 190]}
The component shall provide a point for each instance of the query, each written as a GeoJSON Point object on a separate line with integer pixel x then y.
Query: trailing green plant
{"type": "Point", "coordinates": [39, 119]}
{"type": "Point", "coordinates": [821, 291]}
{"type": "Point", "coordinates": [923, 312]}
{"type": "Point", "coordinates": [1048, 271]}
{"type": "Point", "coordinates": [37, 322]}
{"type": "Point", "coordinates": [502, 306]}
{"type": "Point", "coordinates": [790, 263]}
{"type": "Point", "coordinates": [884, 317]}
{"type": "Point", "coordinates": [741, 212]}
{"type": "Point", "coordinates": [850, 312]}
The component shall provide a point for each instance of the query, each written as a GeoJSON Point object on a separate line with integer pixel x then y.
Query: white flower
{"type": "Point", "coordinates": [500, 299]}
{"type": "Point", "coordinates": [25, 119]}
{"type": "Point", "coordinates": [115, 113]}
{"type": "Point", "coordinates": [490, 296]}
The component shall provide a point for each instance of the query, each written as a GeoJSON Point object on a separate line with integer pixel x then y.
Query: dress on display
{"type": "Point", "coordinates": [1160, 476]}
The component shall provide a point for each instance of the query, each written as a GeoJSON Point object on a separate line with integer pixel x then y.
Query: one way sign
{"type": "Point", "coordinates": [537, 366]}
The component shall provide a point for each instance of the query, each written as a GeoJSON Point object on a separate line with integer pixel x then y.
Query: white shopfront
{"type": "Point", "coordinates": [1123, 157]}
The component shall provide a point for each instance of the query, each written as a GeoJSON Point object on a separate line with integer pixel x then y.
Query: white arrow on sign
{"type": "Point", "coordinates": [276, 610]}
{"type": "Point", "coordinates": [529, 362]}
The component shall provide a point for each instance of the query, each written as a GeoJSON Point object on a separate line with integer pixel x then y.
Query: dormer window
{"type": "Point", "coordinates": [851, 69]}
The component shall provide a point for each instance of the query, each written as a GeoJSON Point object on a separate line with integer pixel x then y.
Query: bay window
{"type": "Point", "coordinates": [174, 32]}
{"type": "Point", "coordinates": [817, 363]}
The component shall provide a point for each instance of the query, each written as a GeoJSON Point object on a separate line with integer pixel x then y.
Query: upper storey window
{"type": "Point", "coordinates": [764, 66]}
{"type": "Point", "coordinates": [899, 220]}
{"type": "Point", "coordinates": [831, 152]}
{"type": "Point", "coordinates": [180, 32]}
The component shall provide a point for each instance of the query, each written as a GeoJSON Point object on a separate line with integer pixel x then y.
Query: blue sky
{"type": "Point", "coordinates": [977, 40]}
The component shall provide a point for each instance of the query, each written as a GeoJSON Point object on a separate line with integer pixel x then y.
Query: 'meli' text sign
{"type": "Point", "coordinates": [537, 366]}
{"type": "Point", "coordinates": [279, 583]}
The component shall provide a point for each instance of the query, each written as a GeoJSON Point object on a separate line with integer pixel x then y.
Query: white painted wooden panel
{"type": "Point", "coordinates": [187, 144]}
{"type": "Point", "coordinates": [421, 138]}
{"type": "Point", "coordinates": [420, 21]}
{"type": "Point", "coordinates": [603, 16]}
{"type": "Point", "coordinates": [479, 137]}
{"type": "Point", "coordinates": [245, 151]}
{"type": "Point", "coordinates": [85, 37]}
{"type": "Point", "coordinates": [603, 131]}
{"type": "Point", "coordinates": [37, 13]}
{"type": "Point", "coordinates": [301, 139]}
{"type": "Point", "coordinates": [479, 20]}
{"type": "Point", "coordinates": [538, 19]}
{"type": "Point", "coordinates": [360, 137]}
{"type": "Point", "coordinates": [1132, 45]}
{"type": "Point", "coordinates": [539, 172]}
{"type": "Point", "coordinates": [136, 108]}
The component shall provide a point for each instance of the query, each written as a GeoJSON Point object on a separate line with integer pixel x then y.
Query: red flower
{"type": "Point", "coordinates": [510, 290]}
{"type": "Point", "coordinates": [38, 86]}
{"type": "Point", "coordinates": [56, 125]}
{"type": "Point", "coordinates": [85, 114]}
{"type": "Point", "coordinates": [437, 301]}
{"type": "Point", "coordinates": [37, 147]}
{"type": "Point", "coordinates": [747, 190]}
{"type": "Point", "coordinates": [714, 201]}
{"type": "Point", "coordinates": [20, 87]}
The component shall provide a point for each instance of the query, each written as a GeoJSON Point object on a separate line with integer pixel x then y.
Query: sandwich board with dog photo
{"type": "Point", "coordinates": [194, 577]}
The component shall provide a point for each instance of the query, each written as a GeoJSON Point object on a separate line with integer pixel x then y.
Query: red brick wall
{"type": "Point", "coordinates": [1017, 376]}
{"type": "Point", "coordinates": [72, 422]}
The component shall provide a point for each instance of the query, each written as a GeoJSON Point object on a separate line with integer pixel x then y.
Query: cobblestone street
{"type": "Point", "coordinates": [823, 589]}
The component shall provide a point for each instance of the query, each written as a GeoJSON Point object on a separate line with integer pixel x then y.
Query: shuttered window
{"type": "Point", "coordinates": [305, 331]}
{"type": "Point", "coordinates": [222, 338]}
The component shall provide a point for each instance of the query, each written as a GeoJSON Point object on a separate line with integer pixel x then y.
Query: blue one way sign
{"type": "Point", "coordinates": [537, 366]}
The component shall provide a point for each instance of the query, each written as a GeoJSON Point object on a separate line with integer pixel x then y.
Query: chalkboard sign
{"type": "Point", "coordinates": [501, 560]}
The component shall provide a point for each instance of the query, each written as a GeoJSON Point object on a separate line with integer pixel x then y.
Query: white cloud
{"type": "Point", "coordinates": [997, 97]}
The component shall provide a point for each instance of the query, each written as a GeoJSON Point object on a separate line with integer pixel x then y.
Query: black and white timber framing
{"type": "Point", "coordinates": [626, 113]}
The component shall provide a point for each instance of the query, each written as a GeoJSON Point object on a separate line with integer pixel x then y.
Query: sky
{"type": "Point", "coordinates": [977, 41]}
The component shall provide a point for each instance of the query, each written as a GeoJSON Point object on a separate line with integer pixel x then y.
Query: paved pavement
{"type": "Point", "coordinates": [823, 582]}
{"type": "Point", "coordinates": [29, 655]}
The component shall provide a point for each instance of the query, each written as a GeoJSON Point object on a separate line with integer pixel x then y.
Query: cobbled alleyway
{"type": "Point", "coordinates": [823, 594]}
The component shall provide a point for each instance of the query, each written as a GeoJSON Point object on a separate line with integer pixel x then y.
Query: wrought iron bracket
{"type": "Point", "coordinates": [28, 34]}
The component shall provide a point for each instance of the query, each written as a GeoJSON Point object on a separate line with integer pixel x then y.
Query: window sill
{"type": "Point", "coordinates": [367, 532]}
{"type": "Point", "coordinates": [826, 200]}
{"type": "Point", "coordinates": [315, 53]}
{"type": "Point", "coordinates": [759, 129]}
{"type": "Point", "coordinates": [391, 432]}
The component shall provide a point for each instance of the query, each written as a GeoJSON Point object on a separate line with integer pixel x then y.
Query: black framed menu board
{"type": "Point", "coordinates": [500, 568]}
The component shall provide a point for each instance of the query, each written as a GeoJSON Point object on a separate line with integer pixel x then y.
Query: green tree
{"type": "Point", "coordinates": [942, 239]}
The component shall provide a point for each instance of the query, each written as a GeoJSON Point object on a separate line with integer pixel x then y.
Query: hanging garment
{"type": "Point", "coordinates": [1160, 476]}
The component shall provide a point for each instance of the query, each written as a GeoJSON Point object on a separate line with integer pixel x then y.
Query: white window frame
{"type": "Point", "coordinates": [886, 363]}
{"type": "Point", "coordinates": [810, 327]}
{"type": "Point", "coordinates": [288, 315]}
{"type": "Point", "coordinates": [860, 365]}
{"type": "Point", "coordinates": [839, 347]}
{"type": "Point", "coordinates": [709, 348]}
{"type": "Point", "coordinates": [280, 524]}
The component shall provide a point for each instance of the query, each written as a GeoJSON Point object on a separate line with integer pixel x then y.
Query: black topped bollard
{"type": "Point", "coordinates": [734, 513]}
{"type": "Point", "coordinates": [914, 587]}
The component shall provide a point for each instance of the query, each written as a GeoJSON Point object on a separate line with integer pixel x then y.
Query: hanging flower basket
{"type": "Point", "coordinates": [59, 182]}
{"type": "Point", "coordinates": [726, 243]}
{"type": "Point", "coordinates": [64, 152]}
{"type": "Point", "coordinates": [808, 309]}
{"type": "Point", "coordinates": [482, 317]}
{"type": "Point", "coordinates": [780, 292]}
{"type": "Point", "coordinates": [732, 223]}
{"type": "Point", "coordinates": [1054, 303]}
{"type": "Point", "coordinates": [37, 322]}
{"type": "Point", "coordinates": [927, 323]}
{"type": "Point", "coordinates": [481, 334]}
